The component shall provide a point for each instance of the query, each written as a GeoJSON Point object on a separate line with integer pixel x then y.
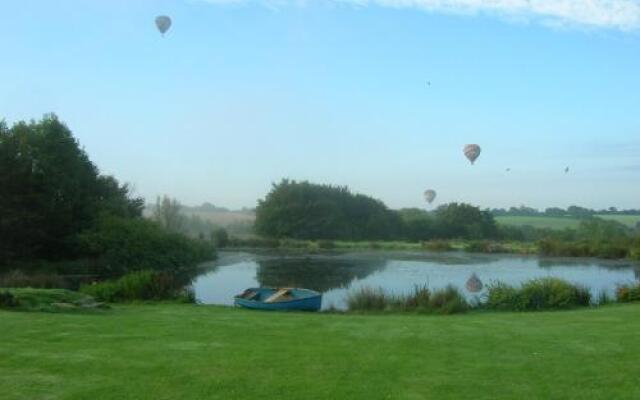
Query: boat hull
{"type": "Point", "coordinates": [306, 300]}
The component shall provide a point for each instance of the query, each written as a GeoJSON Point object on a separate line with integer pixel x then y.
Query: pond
{"type": "Point", "coordinates": [396, 272]}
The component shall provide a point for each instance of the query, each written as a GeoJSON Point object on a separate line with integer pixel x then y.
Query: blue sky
{"type": "Point", "coordinates": [240, 94]}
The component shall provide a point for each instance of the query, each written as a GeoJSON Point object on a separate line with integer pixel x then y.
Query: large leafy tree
{"type": "Point", "coordinates": [50, 191]}
{"type": "Point", "coordinates": [303, 210]}
{"type": "Point", "coordinates": [459, 220]}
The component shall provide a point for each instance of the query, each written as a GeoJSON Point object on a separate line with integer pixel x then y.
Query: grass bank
{"type": "Point", "coordinates": [169, 351]}
{"type": "Point", "coordinates": [481, 246]}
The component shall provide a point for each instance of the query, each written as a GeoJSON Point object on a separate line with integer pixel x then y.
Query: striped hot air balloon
{"type": "Point", "coordinates": [430, 195]}
{"type": "Point", "coordinates": [472, 152]}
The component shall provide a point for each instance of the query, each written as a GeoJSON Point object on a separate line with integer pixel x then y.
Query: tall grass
{"type": "Point", "coordinates": [628, 293]}
{"type": "Point", "coordinates": [368, 299]}
{"type": "Point", "coordinates": [421, 299]}
{"type": "Point", "coordinates": [7, 299]}
{"type": "Point", "coordinates": [536, 295]}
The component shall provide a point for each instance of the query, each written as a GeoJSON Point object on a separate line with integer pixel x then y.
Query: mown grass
{"type": "Point", "coordinates": [203, 352]}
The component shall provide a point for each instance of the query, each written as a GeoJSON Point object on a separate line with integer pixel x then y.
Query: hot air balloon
{"type": "Point", "coordinates": [508, 169]}
{"type": "Point", "coordinates": [472, 152]}
{"type": "Point", "coordinates": [430, 195]}
{"type": "Point", "coordinates": [566, 170]}
{"type": "Point", "coordinates": [163, 23]}
{"type": "Point", "coordinates": [474, 284]}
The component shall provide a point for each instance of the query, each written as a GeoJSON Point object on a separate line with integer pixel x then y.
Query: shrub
{"type": "Point", "coordinates": [7, 299]}
{"type": "Point", "coordinates": [552, 247]}
{"type": "Point", "coordinates": [628, 293]}
{"type": "Point", "coordinates": [326, 244]}
{"type": "Point", "coordinates": [126, 245]}
{"type": "Point", "coordinates": [139, 285]}
{"type": "Point", "coordinates": [448, 301]}
{"type": "Point", "coordinates": [39, 280]}
{"type": "Point", "coordinates": [437, 245]}
{"type": "Point", "coordinates": [501, 296]}
{"type": "Point", "coordinates": [485, 246]}
{"type": "Point", "coordinates": [612, 250]}
{"type": "Point", "coordinates": [537, 294]}
{"type": "Point", "coordinates": [552, 293]}
{"type": "Point", "coordinates": [220, 238]}
{"type": "Point", "coordinates": [634, 251]}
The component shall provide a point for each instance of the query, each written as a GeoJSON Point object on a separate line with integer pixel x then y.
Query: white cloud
{"type": "Point", "coordinates": [609, 14]}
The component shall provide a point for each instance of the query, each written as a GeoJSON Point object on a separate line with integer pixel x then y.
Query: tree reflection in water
{"type": "Point", "coordinates": [319, 274]}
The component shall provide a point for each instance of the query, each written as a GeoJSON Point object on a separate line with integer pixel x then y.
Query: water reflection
{"type": "Point", "coordinates": [397, 272]}
{"type": "Point", "coordinates": [317, 274]}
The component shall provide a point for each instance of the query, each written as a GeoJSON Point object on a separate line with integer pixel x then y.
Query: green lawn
{"type": "Point", "coordinates": [540, 222]}
{"type": "Point", "coordinates": [174, 352]}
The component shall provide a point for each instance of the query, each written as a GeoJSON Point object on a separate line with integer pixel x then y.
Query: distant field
{"type": "Point", "coordinates": [223, 218]}
{"type": "Point", "coordinates": [562, 222]}
{"type": "Point", "coordinates": [629, 220]}
{"type": "Point", "coordinates": [220, 218]}
{"type": "Point", "coordinates": [540, 222]}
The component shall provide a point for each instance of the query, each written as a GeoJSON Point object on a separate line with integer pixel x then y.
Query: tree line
{"type": "Point", "coordinates": [571, 211]}
{"type": "Point", "coordinates": [303, 210]}
{"type": "Point", "coordinates": [55, 206]}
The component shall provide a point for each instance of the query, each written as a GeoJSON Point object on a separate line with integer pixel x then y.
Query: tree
{"type": "Point", "coordinates": [219, 237]}
{"type": "Point", "coordinates": [302, 210]}
{"type": "Point", "coordinates": [555, 212]}
{"type": "Point", "coordinates": [459, 220]}
{"type": "Point", "coordinates": [50, 191]}
{"type": "Point", "coordinates": [168, 214]}
{"type": "Point", "coordinates": [417, 224]}
{"type": "Point", "coordinates": [580, 212]}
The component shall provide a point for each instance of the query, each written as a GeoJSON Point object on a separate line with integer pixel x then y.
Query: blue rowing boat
{"type": "Point", "coordinates": [293, 299]}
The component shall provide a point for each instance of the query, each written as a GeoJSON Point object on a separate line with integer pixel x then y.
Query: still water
{"type": "Point", "coordinates": [396, 272]}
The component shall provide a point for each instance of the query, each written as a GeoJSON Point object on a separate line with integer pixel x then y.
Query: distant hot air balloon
{"type": "Point", "coordinates": [163, 23]}
{"type": "Point", "coordinates": [430, 195]}
{"type": "Point", "coordinates": [508, 169]}
{"type": "Point", "coordinates": [566, 170]}
{"type": "Point", "coordinates": [474, 284]}
{"type": "Point", "coordinates": [472, 152]}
